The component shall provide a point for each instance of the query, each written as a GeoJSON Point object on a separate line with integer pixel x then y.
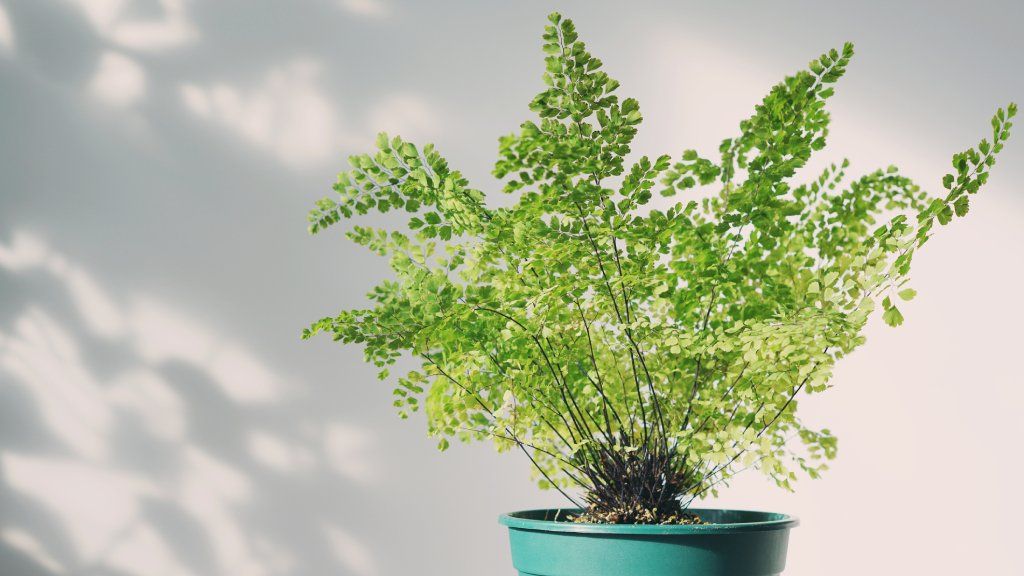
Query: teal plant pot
{"type": "Point", "coordinates": [734, 543]}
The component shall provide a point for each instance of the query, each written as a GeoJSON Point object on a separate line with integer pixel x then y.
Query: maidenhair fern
{"type": "Point", "coordinates": [641, 330]}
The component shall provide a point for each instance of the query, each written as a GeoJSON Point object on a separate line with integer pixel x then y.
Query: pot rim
{"type": "Point", "coordinates": [526, 520]}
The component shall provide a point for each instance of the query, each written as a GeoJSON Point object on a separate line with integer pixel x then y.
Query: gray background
{"type": "Point", "coordinates": [158, 414]}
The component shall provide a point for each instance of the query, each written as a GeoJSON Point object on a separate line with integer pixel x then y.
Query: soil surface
{"type": "Point", "coordinates": [636, 517]}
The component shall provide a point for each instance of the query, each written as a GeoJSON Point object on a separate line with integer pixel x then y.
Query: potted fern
{"type": "Point", "coordinates": [639, 352]}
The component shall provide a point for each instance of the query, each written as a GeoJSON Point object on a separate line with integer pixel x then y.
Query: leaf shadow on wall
{"type": "Point", "coordinates": [133, 437]}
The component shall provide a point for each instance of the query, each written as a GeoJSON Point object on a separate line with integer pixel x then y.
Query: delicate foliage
{"type": "Point", "coordinates": [642, 351]}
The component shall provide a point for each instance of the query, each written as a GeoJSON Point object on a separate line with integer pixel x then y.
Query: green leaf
{"type": "Point", "coordinates": [892, 316]}
{"type": "Point", "coordinates": [961, 206]}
